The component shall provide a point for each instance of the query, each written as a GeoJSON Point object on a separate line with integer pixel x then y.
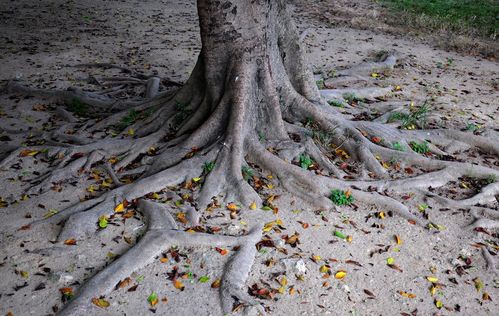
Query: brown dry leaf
{"type": "Point", "coordinates": [395, 267]}
{"type": "Point", "coordinates": [369, 293]}
{"type": "Point", "coordinates": [216, 284]}
{"type": "Point", "coordinates": [181, 217]}
{"type": "Point", "coordinates": [353, 262]}
{"type": "Point", "coordinates": [70, 242]}
{"type": "Point", "coordinates": [222, 251]}
{"type": "Point", "coordinates": [123, 283]}
{"type": "Point", "coordinates": [100, 302]}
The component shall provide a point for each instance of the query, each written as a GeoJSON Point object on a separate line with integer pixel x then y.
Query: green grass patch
{"type": "Point", "coordinates": [478, 17]}
{"type": "Point", "coordinates": [305, 161]}
{"type": "Point", "coordinates": [340, 197]}
{"type": "Point", "coordinates": [420, 148]}
{"type": "Point", "coordinates": [416, 117]}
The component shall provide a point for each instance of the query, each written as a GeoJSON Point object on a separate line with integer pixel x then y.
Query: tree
{"type": "Point", "coordinates": [250, 99]}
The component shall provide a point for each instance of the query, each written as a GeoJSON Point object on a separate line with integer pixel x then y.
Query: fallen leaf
{"type": "Point", "coordinates": [252, 206]}
{"type": "Point", "coordinates": [340, 275]}
{"type": "Point", "coordinates": [432, 279]}
{"type": "Point", "coordinates": [100, 302]}
{"type": "Point", "coordinates": [232, 207]}
{"type": "Point", "coordinates": [216, 284]}
{"type": "Point", "coordinates": [103, 221]}
{"type": "Point", "coordinates": [406, 294]}
{"type": "Point", "coordinates": [478, 284]}
{"type": "Point", "coordinates": [390, 261]}
{"type": "Point", "coordinates": [397, 239]}
{"type": "Point", "coordinates": [204, 279]}
{"type": "Point", "coordinates": [70, 242]}
{"type": "Point", "coordinates": [179, 285]}
{"type": "Point", "coordinates": [153, 299]}
{"type": "Point", "coordinates": [119, 208]}
{"type": "Point", "coordinates": [439, 304]}
{"type": "Point", "coordinates": [222, 251]}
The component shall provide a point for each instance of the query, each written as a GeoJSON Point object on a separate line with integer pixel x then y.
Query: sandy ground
{"type": "Point", "coordinates": [42, 38]}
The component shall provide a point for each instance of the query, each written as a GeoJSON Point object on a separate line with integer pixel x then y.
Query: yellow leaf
{"type": "Point", "coordinates": [196, 179]}
{"type": "Point", "coordinates": [282, 290]}
{"type": "Point", "coordinates": [131, 131]}
{"type": "Point", "coordinates": [232, 207]}
{"type": "Point", "coordinates": [24, 274]}
{"type": "Point", "coordinates": [324, 269]}
{"type": "Point", "coordinates": [439, 304]}
{"type": "Point", "coordinates": [349, 238]}
{"type": "Point", "coordinates": [398, 240]}
{"type": "Point", "coordinates": [406, 294]}
{"type": "Point", "coordinates": [432, 279]}
{"type": "Point", "coordinates": [316, 258]}
{"type": "Point", "coordinates": [284, 281]}
{"type": "Point", "coordinates": [433, 290]}
{"type": "Point", "coordinates": [155, 196]}
{"type": "Point", "coordinates": [100, 302]}
{"type": "Point", "coordinates": [119, 208]}
{"type": "Point", "coordinates": [252, 206]}
{"type": "Point", "coordinates": [340, 275]}
{"type": "Point", "coordinates": [270, 186]}
{"type": "Point", "coordinates": [390, 260]}
{"type": "Point", "coordinates": [163, 260]}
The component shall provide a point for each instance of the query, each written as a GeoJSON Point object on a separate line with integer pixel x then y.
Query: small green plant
{"type": "Point", "coordinates": [398, 146]}
{"type": "Point", "coordinates": [247, 172]}
{"type": "Point", "coordinates": [323, 138]}
{"type": "Point", "coordinates": [320, 84]}
{"type": "Point", "coordinates": [491, 178]}
{"type": "Point", "coordinates": [416, 117]}
{"type": "Point", "coordinates": [351, 97]}
{"type": "Point", "coordinates": [472, 127]}
{"type": "Point", "coordinates": [208, 166]}
{"type": "Point", "coordinates": [78, 107]}
{"type": "Point", "coordinates": [420, 148]}
{"type": "Point", "coordinates": [131, 117]}
{"type": "Point", "coordinates": [261, 136]}
{"type": "Point", "coordinates": [336, 103]}
{"type": "Point", "coordinates": [340, 197]}
{"type": "Point", "coordinates": [305, 161]}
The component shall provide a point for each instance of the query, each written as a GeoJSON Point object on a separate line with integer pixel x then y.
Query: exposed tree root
{"type": "Point", "coordinates": [162, 232]}
{"type": "Point", "coordinates": [252, 107]}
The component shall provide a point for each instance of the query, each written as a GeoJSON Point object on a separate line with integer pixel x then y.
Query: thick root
{"type": "Point", "coordinates": [161, 233]}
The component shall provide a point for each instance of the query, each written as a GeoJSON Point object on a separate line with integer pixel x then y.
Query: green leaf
{"type": "Point", "coordinates": [152, 298]}
{"type": "Point", "coordinates": [103, 222]}
{"type": "Point", "coordinates": [204, 279]}
{"type": "Point", "coordinates": [266, 208]}
{"type": "Point", "coordinates": [390, 260]}
{"type": "Point", "coordinates": [339, 234]}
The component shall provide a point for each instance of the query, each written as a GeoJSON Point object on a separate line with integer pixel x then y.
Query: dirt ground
{"type": "Point", "coordinates": [43, 39]}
